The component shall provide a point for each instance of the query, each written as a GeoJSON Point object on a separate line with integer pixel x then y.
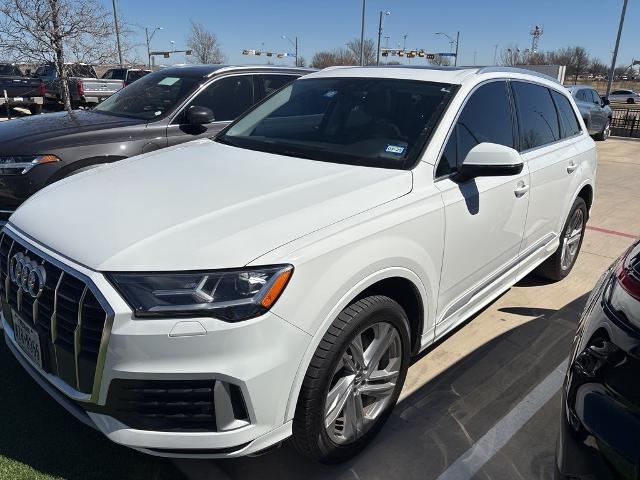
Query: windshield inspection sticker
{"type": "Point", "coordinates": [394, 149]}
{"type": "Point", "coordinates": [168, 81]}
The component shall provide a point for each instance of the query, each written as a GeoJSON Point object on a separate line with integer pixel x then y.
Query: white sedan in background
{"type": "Point", "coordinates": [628, 96]}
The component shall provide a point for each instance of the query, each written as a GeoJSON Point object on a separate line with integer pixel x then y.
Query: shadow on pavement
{"type": "Point", "coordinates": [436, 424]}
{"type": "Point", "coordinates": [39, 437]}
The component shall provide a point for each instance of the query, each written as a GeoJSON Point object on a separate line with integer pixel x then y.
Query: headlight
{"type": "Point", "coordinates": [21, 164]}
{"type": "Point", "coordinates": [230, 295]}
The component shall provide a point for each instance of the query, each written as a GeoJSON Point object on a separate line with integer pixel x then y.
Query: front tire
{"type": "Point", "coordinates": [353, 381]}
{"type": "Point", "coordinates": [558, 265]}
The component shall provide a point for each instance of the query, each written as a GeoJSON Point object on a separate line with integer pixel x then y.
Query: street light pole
{"type": "Point", "coordinates": [615, 50]}
{"type": "Point", "coordinates": [451, 41]}
{"type": "Point", "coordinates": [294, 45]}
{"type": "Point", "coordinates": [382, 15]}
{"type": "Point", "coordinates": [149, 37]}
{"type": "Point", "coordinates": [115, 18]}
{"type": "Point", "coordinates": [364, 8]}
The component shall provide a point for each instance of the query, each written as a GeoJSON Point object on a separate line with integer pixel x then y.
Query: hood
{"type": "Point", "coordinates": [201, 205]}
{"type": "Point", "coordinates": [23, 136]}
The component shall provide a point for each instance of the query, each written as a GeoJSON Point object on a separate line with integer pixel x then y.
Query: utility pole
{"type": "Point", "coordinates": [615, 50]}
{"type": "Point", "coordinates": [382, 15]}
{"type": "Point", "coordinates": [455, 62]}
{"type": "Point", "coordinates": [475, 55]}
{"type": "Point", "coordinates": [115, 18]}
{"type": "Point", "coordinates": [295, 45]}
{"type": "Point", "coordinates": [364, 8]}
{"type": "Point", "coordinates": [495, 53]}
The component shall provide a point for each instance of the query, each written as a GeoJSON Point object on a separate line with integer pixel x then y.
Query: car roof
{"type": "Point", "coordinates": [452, 75]}
{"type": "Point", "coordinates": [206, 71]}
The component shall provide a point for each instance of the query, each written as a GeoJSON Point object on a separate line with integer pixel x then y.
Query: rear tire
{"type": "Point", "coordinates": [558, 265]}
{"type": "Point", "coordinates": [351, 386]}
{"type": "Point", "coordinates": [631, 100]}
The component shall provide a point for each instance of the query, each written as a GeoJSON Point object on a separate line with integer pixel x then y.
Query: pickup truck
{"type": "Point", "coordinates": [20, 91]}
{"type": "Point", "coordinates": [84, 85]}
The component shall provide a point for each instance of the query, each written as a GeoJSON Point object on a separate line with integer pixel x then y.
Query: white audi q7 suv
{"type": "Point", "coordinates": [215, 298]}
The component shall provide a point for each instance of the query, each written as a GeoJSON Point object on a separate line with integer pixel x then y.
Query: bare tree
{"type": "Point", "coordinates": [369, 51]}
{"type": "Point", "coordinates": [339, 56]}
{"type": "Point", "coordinates": [596, 67]}
{"type": "Point", "coordinates": [301, 61]}
{"type": "Point", "coordinates": [512, 56]}
{"type": "Point", "coordinates": [57, 31]}
{"type": "Point", "coordinates": [204, 45]}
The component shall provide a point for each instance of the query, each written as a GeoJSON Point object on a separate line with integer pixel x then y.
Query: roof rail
{"type": "Point", "coordinates": [525, 71]}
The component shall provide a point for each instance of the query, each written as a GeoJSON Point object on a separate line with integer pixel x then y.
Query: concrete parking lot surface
{"type": "Point", "coordinates": [484, 403]}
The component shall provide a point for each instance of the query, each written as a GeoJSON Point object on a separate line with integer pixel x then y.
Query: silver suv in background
{"type": "Point", "coordinates": [594, 110]}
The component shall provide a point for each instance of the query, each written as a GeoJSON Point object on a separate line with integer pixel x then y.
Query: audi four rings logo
{"type": "Point", "coordinates": [27, 274]}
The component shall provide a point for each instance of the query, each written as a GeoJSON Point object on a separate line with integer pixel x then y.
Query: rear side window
{"type": "Point", "coordinates": [271, 83]}
{"type": "Point", "coordinates": [486, 117]}
{"type": "Point", "coordinates": [568, 121]}
{"type": "Point", "coordinates": [536, 114]}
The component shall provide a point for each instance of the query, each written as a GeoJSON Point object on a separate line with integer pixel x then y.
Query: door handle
{"type": "Point", "coordinates": [521, 189]}
{"type": "Point", "coordinates": [572, 167]}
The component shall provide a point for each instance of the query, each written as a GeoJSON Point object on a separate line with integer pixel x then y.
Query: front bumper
{"type": "Point", "coordinates": [259, 358]}
{"type": "Point", "coordinates": [600, 421]}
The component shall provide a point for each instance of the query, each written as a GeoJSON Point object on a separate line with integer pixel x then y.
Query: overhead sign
{"type": "Point", "coordinates": [446, 54]}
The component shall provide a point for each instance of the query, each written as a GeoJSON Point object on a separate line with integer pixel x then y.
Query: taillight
{"type": "Point", "coordinates": [628, 273]}
{"type": "Point", "coordinates": [80, 87]}
{"type": "Point", "coordinates": [43, 89]}
{"type": "Point", "coordinates": [124, 84]}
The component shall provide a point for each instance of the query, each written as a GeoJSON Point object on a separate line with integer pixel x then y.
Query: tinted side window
{"type": "Point", "coordinates": [596, 97]}
{"type": "Point", "coordinates": [271, 83]}
{"type": "Point", "coordinates": [537, 115]}
{"type": "Point", "coordinates": [108, 75]}
{"type": "Point", "coordinates": [227, 98]}
{"type": "Point", "coordinates": [568, 120]}
{"type": "Point", "coordinates": [486, 117]}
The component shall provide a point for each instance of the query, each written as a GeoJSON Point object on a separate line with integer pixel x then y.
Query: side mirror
{"type": "Point", "coordinates": [197, 115]}
{"type": "Point", "coordinates": [490, 160]}
{"type": "Point", "coordinates": [605, 101]}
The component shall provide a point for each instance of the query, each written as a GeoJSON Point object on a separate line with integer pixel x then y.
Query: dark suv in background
{"type": "Point", "coordinates": [165, 108]}
{"type": "Point", "coordinates": [594, 110]}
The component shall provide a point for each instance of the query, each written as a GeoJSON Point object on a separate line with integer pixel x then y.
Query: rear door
{"type": "Point", "coordinates": [548, 147]}
{"type": "Point", "coordinates": [227, 97]}
{"type": "Point", "coordinates": [485, 216]}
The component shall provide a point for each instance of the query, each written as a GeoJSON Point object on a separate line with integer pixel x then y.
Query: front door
{"type": "Point", "coordinates": [484, 216]}
{"type": "Point", "coordinates": [226, 97]}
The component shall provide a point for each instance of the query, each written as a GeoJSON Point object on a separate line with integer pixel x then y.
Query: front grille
{"type": "Point", "coordinates": [177, 405]}
{"type": "Point", "coordinates": [67, 315]}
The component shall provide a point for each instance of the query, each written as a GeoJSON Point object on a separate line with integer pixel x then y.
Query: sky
{"type": "Point", "coordinates": [329, 24]}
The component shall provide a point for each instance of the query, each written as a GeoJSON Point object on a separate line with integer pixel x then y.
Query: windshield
{"type": "Point", "coordinates": [149, 98]}
{"type": "Point", "coordinates": [375, 122]}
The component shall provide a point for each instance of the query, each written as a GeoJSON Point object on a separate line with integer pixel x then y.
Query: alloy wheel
{"type": "Point", "coordinates": [363, 382]}
{"type": "Point", "coordinates": [571, 240]}
{"type": "Point", "coordinates": [607, 130]}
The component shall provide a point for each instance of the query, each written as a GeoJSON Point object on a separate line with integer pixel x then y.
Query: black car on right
{"type": "Point", "coordinates": [600, 427]}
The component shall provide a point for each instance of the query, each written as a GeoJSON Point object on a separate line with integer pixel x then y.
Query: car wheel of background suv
{"type": "Point", "coordinates": [353, 381]}
{"type": "Point", "coordinates": [630, 100]}
{"type": "Point", "coordinates": [558, 265]}
{"type": "Point", "coordinates": [604, 134]}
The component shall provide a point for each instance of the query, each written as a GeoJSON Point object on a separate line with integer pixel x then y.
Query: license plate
{"type": "Point", "coordinates": [27, 339]}
{"type": "Point", "coordinates": [18, 99]}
